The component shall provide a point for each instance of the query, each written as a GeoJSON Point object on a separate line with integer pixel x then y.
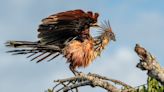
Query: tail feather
{"type": "Point", "coordinates": [31, 55]}
{"type": "Point", "coordinates": [44, 57]}
{"type": "Point", "coordinates": [56, 55]}
{"type": "Point", "coordinates": [21, 44]}
{"type": "Point", "coordinates": [33, 48]}
{"type": "Point", "coordinates": [22, 51]}
{"type": "Point", "coordinates": [38, 56]}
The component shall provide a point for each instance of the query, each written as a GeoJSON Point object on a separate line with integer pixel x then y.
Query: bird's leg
{"type": "Point", "coordinates": [75, 72]}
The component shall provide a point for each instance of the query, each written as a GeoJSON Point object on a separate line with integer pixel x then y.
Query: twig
{"type": "Point", "coordinates": [112, 80]}
{"type": "Point", "coordinates": [80, 84]}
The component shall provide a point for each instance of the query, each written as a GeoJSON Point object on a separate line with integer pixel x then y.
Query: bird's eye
{"type": "Point", "coordinates": [111, 34]}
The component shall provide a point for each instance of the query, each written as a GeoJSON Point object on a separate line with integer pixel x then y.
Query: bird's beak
{"type": "Point", "coordinates": [113, 38]}
{"type": "Point", "coordinates": [94, 25]}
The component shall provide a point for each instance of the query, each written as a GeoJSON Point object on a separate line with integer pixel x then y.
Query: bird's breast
{"type": "Point", "coordinates": [79, 54]}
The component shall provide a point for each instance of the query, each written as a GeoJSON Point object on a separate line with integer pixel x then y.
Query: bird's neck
{"type": "Point", "coordinates": [85, 35]}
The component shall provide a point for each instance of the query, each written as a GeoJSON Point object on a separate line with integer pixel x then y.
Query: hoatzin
{"type": "Point", "coordinates": [67, 33]}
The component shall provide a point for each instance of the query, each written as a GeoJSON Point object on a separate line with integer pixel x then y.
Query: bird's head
{"type": "Point", "coordinates": [105, 26]}
{"type": "Point", "coordinates": [112, 36]}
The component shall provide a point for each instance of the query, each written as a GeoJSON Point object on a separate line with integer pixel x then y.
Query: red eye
{"type": "Point", "coordinates": [111, 34]}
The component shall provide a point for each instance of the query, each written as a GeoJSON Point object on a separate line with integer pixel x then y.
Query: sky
{"type": "Point", "coordinates": [133, 21]}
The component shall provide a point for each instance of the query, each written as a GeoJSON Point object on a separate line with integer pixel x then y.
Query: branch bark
{"type": "Point", "coordinates": [149, 63]}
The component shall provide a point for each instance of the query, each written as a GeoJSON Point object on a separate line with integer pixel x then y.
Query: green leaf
{"type": "Point", "coordinates": [154, 85]}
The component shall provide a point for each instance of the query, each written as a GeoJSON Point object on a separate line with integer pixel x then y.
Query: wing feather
{"type": "Point", "coordinates": [58, 28]}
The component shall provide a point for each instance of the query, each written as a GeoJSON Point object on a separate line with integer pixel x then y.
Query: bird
{"type": "Point", "coordinates": [67, 33]}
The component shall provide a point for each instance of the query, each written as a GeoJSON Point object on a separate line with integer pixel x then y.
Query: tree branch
{"type": "Point", "coordinates": [93, 80]}
{"type": "Point", "coordinates": [148, 62]}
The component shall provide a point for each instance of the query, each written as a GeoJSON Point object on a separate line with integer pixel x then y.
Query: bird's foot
{"type": "Point", "coordinates": [76, 73]}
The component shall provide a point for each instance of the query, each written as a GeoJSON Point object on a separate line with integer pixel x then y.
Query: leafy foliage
{"type": "Point", "coordinates": [49, 90]}
{"type": "Point", "coordinates": [152, 86]}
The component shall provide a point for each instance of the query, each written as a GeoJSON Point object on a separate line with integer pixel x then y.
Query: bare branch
{"type": "Point", "coordinates": [112, 80]}
{"type": "Point", "coordinates": [93, 80]}
{"type": "Point", "coordinates": [148, 62]}
{"type": "Point", "coordinates": [80, 84]}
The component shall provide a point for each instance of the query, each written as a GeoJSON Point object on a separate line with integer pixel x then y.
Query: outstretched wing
{"type": "Point", "coordinates": [64, 26]}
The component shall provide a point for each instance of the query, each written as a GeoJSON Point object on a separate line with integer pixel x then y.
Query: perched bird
{"type": "Point", "coordinates": [68, 34]}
